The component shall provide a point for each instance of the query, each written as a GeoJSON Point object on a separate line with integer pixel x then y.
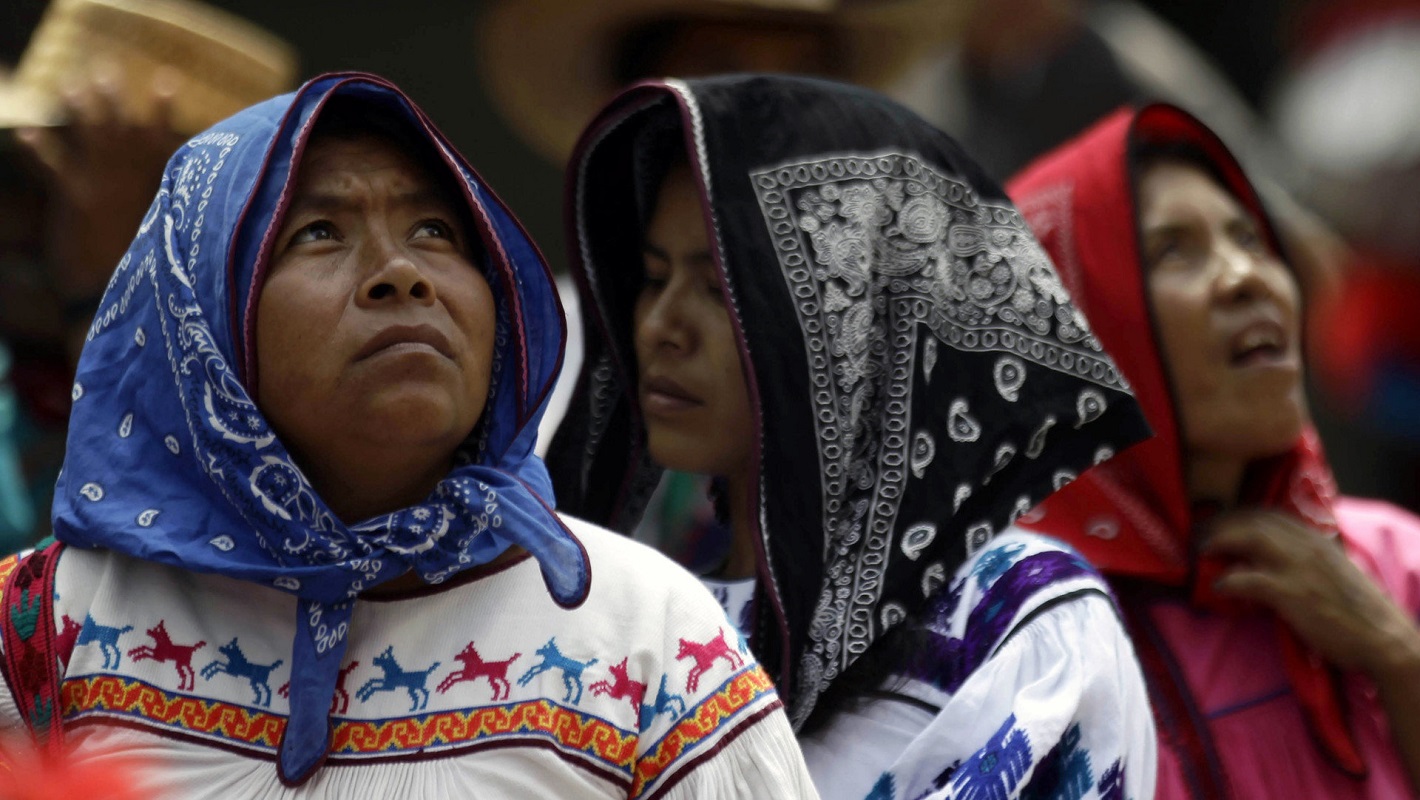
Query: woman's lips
{"type": "Point", "coordinates": [661, 395]}
{"type": "Point", "coordinates": [406, 339]}
{"type": "Point", "coordinates": [1262, 344]}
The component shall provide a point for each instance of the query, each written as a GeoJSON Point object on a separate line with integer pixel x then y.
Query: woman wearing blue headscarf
{"type": "Point", "coordinates": [301, 518]}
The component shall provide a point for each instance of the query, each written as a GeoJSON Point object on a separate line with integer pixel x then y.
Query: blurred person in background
{"type": "Point", "coordinates": [1276, 620]}
{"type": "Point", "coordinates": [104, 93]}
{"type": "Point", "coordinates": [1349, 110]}
{"type": "Point", "coordinates": [805, 291]}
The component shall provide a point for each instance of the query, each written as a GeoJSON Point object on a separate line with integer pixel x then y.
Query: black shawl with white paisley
{"type": "Point", "coordinates": [919, 374]}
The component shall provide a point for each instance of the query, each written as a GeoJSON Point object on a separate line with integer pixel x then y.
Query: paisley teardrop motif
{"type": "Point", "coordinates": [960, 425]}
{"type": "Point", "coordinates": [1089, 406]}
{"type": "Point", "coordinates": [924, 449]}
{"type": "Point", "coordinates": [962, 493]}
{"type": "Point", "coordinates": [932, 578]}
{"type": "Point", "coordinates": [977, 537]}
{"type": "Point", "coordinates": [1010, 375]}
{"type": "Point", "coordinates": [891, 615]}
{"type": "Point", "coordinates": [1037, 439]}
{"type": "Point", "coordinates": [918, 538]}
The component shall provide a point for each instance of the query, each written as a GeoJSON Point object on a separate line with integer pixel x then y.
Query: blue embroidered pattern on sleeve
{"type": "Point", "coordinates": [994, 771]}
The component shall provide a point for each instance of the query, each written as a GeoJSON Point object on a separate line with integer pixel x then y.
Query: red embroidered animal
{"type": "Point", "coordinates": [705, 656]}
{"type": "Point", "coordinates": [624, 688]}
{"type": "Point", "coordinates": [474, 667]}
{"type": "Point", "coordinates": [340, 701]}
{"type": "Point", "coordinates": [163, 649]}
{"type": "Point", "coordinates": [65, 639]}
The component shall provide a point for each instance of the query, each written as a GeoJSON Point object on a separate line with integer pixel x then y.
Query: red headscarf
{"type": "Point", "coordinates": [1131, 516]}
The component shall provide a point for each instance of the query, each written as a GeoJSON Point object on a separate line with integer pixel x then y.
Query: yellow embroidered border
{"type": "Point", "coordinates": [736, 695]}
{"type": "Point", "coordinates": [115, 695]}
{"type": "Point", "coordinates": [7, 566]}
{"type": "Point", "coordinates": [567, 728]}
{"type": "Point", "coordinates": [574, 731]}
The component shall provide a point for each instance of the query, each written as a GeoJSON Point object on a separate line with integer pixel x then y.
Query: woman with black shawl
{"type": "Point", "coordinates": [808, 292]}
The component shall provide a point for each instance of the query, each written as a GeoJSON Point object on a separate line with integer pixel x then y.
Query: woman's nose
{"type": "Point", "coordinates": [394, 276]}
{"type": "Point", "coordinates": [1240, 274]}
{"type": "Point", "coordinates": [662, 323]}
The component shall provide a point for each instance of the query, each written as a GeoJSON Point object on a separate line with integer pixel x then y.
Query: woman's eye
{"type": "Point", "coordinates": [1248, 237]}
{"type": "Point", "coordinates": [435, 228]}
{"type": "Point", "coordinates": [1163, 250]}
{"type": "Point", "coordinates": [318, 231]}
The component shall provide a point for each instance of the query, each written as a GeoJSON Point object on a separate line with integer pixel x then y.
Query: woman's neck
{"type": "Point", "coordinates": [358, 488]}
{"type": "Point", "coordinates": [742, 558]}
{"type": "Point", "coordinates": [1215, 479]}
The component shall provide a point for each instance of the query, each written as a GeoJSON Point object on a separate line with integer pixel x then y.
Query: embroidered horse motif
{"type": "Point", "coordinates": [340, 701]}
{"type": "Point", "coordinates": [396, 677]}
{"type": "Point", "coordinates": [65, 640]}
{"type": "Point", "coordinates": [705, 656]}
{"type": "Point", "coordinates": [624, 688]}
{"type": "Point", "coordinates": [474, 667]}
{"type": "Point", "coordinates": [163, 649]}
{"type": "Point", "coordinates": [572, 669]}
{"type": "Point", "coordinates": [237, 665]}
{"type": "Point", "coordinates": [105, 637]}
{"type": "Point", "coordinates": [666, 703]}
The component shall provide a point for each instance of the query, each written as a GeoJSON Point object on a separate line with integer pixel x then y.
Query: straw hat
{"type": "Point", "coordinates": [550, 64]}
{"type": "Point", "coordinates": [220, 63]}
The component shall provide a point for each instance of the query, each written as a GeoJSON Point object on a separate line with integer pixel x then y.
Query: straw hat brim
{"type": "Point", "coordinates": [219, 63]}
{"type": "Point", "coordinates": [549, 64]}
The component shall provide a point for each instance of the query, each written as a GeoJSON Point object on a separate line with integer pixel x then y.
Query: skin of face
{"type": "Point", "coordinates": [1228, 313]}
{"type": "Point", "coordinates": [374, 328]}
{"type": "Point", "coordinates": [691, 387]}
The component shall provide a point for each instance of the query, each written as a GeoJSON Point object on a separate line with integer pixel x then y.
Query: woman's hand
{"type": "Point", "coordinates": [1310, 583]}
{"type": "Point", "coordinates": [101, 171]}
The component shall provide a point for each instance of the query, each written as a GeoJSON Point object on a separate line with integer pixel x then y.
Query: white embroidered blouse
{"type": "Point", "coordinates": [482, 687]}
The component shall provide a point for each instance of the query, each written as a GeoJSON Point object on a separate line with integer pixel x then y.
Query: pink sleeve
{"type": "Point", "coordinates": [1384, 540]}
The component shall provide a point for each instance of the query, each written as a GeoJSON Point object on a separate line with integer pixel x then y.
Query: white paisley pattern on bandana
{"type": "Point", "coordinates": [883, 254]}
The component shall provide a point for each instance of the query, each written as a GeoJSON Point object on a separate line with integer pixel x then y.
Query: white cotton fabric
{"type": "Point", "coordinates": [1069, 665]}
{"type": "Point", "coordinates": [644, 616]}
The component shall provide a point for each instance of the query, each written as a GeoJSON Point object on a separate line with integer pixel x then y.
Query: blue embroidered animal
{"type": "Point", "coordinates": [994, 563]}
{"type": "Point", "coordinates": [237, 665]}
{"type": "Point", "coordinates": [105, 637]}
{"type": "Point", "coordinates": [994, 771]}
{"type": "Point", "coordinates": [395, 678]}
{"type": "Point", "coordinates": [1111, 786]}
{"type": "Point", "coordinates": [1064, 773]}
{"type": "Point", "coordinates": [572, 669]}
{"type": "Point", "coordinates": [666, 703]}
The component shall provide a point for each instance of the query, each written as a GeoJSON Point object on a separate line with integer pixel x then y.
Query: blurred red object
{"type": "Point", "coordinates": [27, 774]}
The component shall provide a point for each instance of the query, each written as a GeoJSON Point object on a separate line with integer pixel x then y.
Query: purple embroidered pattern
{"type": "Point", "coordinates": [946, 661]}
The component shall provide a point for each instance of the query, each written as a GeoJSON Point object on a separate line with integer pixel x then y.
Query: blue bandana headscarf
{"type": "Point", "coordinates": [170, 460]}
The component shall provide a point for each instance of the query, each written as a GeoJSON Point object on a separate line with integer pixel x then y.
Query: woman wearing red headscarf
{"type": "Point", "coordinates": [1281, 663]}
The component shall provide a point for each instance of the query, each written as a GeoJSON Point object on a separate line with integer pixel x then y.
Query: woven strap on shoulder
{"type": "Point", "coordinates": [31, 662]}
